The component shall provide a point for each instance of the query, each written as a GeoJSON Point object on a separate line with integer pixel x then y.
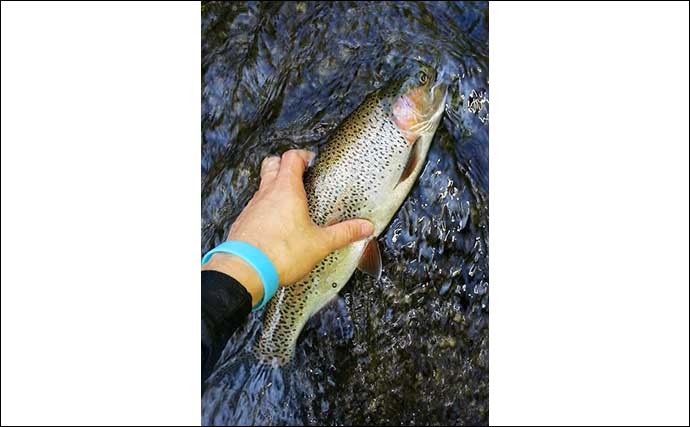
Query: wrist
{"type": "Point", "coordinates": [240, 271]}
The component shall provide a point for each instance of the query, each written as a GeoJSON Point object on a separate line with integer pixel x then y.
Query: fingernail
{"type": "Point", "coordinates": [311, 156]}
{"type": "Point", "coordinates": [367, 228]}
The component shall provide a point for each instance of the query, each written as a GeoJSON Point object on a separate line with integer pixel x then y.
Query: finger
{"type": "Point", "coordinates": [293, 164]}
{"type": "Point", "coordinates": [346, 232]}
{"type": "Point", "coordinates": [269, 169]}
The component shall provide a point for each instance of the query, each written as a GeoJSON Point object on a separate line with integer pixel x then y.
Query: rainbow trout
{"type": "Point", "coordinates": [366, 170]}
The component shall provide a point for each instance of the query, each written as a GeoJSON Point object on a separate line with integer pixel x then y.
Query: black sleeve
{"type": "Point", "coordinates": [225, 304]}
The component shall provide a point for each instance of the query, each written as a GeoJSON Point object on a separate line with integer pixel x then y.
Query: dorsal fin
{"type": "Point", "coordinates": [370, 262]}
{"type": "Point", "coordinates": [411, 163]}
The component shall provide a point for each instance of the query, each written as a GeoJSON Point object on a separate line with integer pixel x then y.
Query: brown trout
{"type": "Point", "coordinates": [366, 170]}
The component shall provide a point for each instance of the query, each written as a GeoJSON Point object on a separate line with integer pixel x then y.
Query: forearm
{"type": "Point", "coordinates": [229, 290]}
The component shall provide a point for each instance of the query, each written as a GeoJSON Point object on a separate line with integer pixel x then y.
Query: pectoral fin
{"type": "Point", "coordinates": [370, 262]}
{"type": "Point", "coordinates": [412, 162]}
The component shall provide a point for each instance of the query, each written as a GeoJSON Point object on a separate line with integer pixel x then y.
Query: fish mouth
{"type": "Point", "coordinates": [439, 93]}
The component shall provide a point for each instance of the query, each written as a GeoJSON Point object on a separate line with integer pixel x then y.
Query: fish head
{"type": "Point", "coordinates": [418, 101]}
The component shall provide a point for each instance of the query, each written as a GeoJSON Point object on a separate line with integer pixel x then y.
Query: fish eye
{"type": "Point", "coordinates": [423, 78]}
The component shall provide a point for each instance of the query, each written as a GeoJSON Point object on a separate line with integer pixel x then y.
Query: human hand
{"type": "Point", "coordinates": [276, 220]}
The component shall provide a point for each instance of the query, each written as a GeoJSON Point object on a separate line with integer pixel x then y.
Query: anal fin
{"type": "Point", "coordinates": [370, 262]}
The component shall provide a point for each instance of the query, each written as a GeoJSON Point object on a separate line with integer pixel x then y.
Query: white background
{"type": "Point", "coordinates": [101, 213]}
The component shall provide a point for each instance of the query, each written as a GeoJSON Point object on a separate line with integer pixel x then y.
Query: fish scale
{"type": "Point", "coordinates": [357, 175]}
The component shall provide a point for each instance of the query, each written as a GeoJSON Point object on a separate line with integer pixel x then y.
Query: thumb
{"type": "Point", "coordinates": [346, 232]}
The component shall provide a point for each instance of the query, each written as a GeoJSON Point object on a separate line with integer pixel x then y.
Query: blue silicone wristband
{"type": "Point", "coordinates": [254, 257]}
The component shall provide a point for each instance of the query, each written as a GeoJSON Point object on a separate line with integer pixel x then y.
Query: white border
{"type": "Point", "coordinates": [589, 213]}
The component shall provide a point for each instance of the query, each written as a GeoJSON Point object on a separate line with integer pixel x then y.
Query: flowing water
{"type": "Point", "coordinates": [413, 347]}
